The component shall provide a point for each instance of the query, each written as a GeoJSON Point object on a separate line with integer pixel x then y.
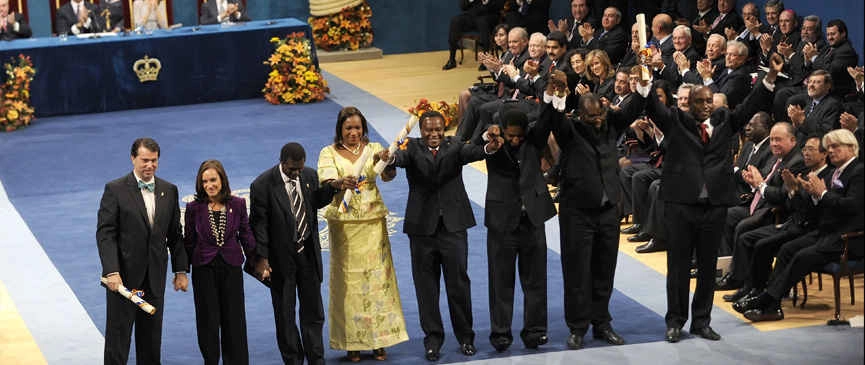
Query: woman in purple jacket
{"type": "Point", "coordinates": [217, 235]}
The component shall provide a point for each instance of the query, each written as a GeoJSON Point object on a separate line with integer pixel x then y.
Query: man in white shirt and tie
{"type": "Point", "coordinates": [222, 11]}
{"type": "Point", "coordinates": [76, 17]}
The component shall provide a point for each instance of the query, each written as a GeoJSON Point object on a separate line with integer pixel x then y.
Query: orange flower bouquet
{"type": "Point", "coordinates": [348, 29]}
{"type": "Point", "coordinates": [293, 77]}
{"type": "Point", "coordinates": [15, 108]}
{"type": "Point", "coordinates": [449, 111]}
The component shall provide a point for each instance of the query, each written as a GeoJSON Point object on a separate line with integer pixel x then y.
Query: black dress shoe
{"type": "Point", "coordinates": [739, 294]}
{"type": "Point", "coordinates": [532, 342]}
{"type": "Point", "coordinates": [652, 246]}
{"type": "Point", "coordinates": [673, 334]}
{"type": "Point", "coordinates": [482, 67]}
{"type": "Point", "coordinates": [432, 354]}
{"type": "Point", "coordinates": [707, 333]}
{"type": "Point", "coordinates": [727, 282]}
{"type": "Point", "coordinates": [468, 349]}
{"type": "Point", "coordinates": [607, 334]}
{"type": "Point", "coordinates": [751, 302]}
{"type": "Point", "coordinates": [500, 343]}
{"type": "Point", "coordinates": [575, 342]}
{"type": "Point", "coordinates": [632, 229]}
{"type": "Point", "coordinates": [640, 237]}
{"type": "Point", "coordinates": [451, 64]}
{"type": "Point", "coordinates": [765, 314]}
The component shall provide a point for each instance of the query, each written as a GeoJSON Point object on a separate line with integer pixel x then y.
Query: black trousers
{"type": "Point", "coordinates": [755, 249]}
{"type": "Point", "coordinates": [297, 278]}
{"type": "Point", "coordinates": [120, 318]}
{"type": "Point", "coordinates": [431, 256]}
{"type": "Point", "coordinates": [796, 259]}
{"type": "Point", "coordinates": [589, 247]}
{"type": "Point", "coordinates": [640, 183]}
{"type": "Point", "coordinates": [655, 224]}
{"type": "Point", "coordinates": [692, 228]}
{"type": "Point", "coordinates": [738, 221]}
{"type": "Point", "coordinates": [527, 244]}
{"type": "Point", "coordinates": [219, 307]}
{"type": "Point", "coordinates": [465, 22]}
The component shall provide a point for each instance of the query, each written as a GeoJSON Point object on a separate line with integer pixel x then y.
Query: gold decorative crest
{"type": "Point", "coordinates": [147, 69]}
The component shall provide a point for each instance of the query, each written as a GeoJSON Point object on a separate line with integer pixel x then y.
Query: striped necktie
{"type": "Point", "coordinates": [299, 210]}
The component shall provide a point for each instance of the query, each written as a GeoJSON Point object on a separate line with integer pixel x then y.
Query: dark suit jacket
{"type": "Point", "coordinates": [802, 210]}
{"type": "Point", "coordinates": [273, 222]}
{"type": "Point", "coordinates": [515, 181]}
{"type": "Point", "coordinates": [210, 13]}
{"type": "Point", "coordinates": [735, 84]}
{"type": "Point", "coordinates": [535, 19]}
{"type": "Point", "coordinates": [842, 210]}
{"type": "Point", "coordinates": [821, 120]}
{"type": "Point", "coordinates": [477, 8]}
{"type": "Point", "coordinates": [667, 50]}
{"type": "Point", "coordinates": [129, 245]}
{"type": "Point", "coordinates": [836, 60]}
{"type": "Point", "coordinates": [749, 157]}
{"type": "Point", "coordinates": [614, 42]}
{"type": "Point", "coordinates": [507, 81]}
{"type": "Point", "coordinates": [65, 19]}
{"type": "Point", "coordinates": [589, 158]}
{"type": "Point", "coordinates": [671, 71]}
{"type": "Point", "coordinates": [23, 29]}
{"type": "Point", "coordinates": [436, 185]}
{"type": "Point", "coordinates": [575, 40]}
{"type": "Point", "coordinates": [731, 20]}
{"type": "Point", "coordinates": [200, 241]}
{"type": "Point", "coordinates": [688, 164]}
{"type": "Point", "coordinates": [774, 195]}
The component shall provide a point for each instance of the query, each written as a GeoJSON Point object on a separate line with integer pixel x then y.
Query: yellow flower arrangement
{"type": "Point", "coordinates": [15, 108]}
{"type": "Point", "coordinates": [293, 77]}
{"type": "Point", "coordinates": [449, 111]}
{"type": "Point", "coordinates": [350, 29]}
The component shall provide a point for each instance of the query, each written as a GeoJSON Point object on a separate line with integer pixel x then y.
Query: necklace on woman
{"type": "Point", "coordinates": [355, 151]}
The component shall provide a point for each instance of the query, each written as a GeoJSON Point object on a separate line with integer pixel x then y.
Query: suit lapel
{"type": "Point", "coordinates": [281, 195]}
{"type": "Point", "coordinates": [135, 195]}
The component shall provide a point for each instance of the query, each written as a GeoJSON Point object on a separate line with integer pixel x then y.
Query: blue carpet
{"type": "Point", "coordinates": [54, 173]}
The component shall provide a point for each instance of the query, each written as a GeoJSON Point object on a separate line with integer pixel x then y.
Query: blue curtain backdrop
{"type": "Point", "coordinates": [421, 25]}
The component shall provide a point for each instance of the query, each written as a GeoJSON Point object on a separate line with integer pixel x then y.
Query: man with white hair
{"type": "Point", "coordinates": [12, 25]}
{"type": "Point", "coordinates": [734, 80]}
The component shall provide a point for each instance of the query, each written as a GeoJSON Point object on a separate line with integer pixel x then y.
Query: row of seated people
{"type": "Point", "coordinates": [81, 16]}
{"type": "Point", "coordinates": [813, 100]}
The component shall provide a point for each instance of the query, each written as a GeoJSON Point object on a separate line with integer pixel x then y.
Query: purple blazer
{"type": "Point", "coordinates": [200, 242]}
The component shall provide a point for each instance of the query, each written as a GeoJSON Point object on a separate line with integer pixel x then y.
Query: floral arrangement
{"type": "Point", "coordinates": [348, 29]}
{"type": "Point", "coordinates": [293, 78]}
{"type": "Point", "coordinates": [15, 108]}
{"type": "Point", "coordinates": [449, 111]}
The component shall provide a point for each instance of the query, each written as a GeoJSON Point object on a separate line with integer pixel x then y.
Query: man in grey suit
{"type": "Point", "coordinates": [437, 216]}
{"type": "Point", "coordinates": [138, 225]}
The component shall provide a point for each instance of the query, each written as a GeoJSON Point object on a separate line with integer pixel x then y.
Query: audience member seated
{"type": "Point", "coordinates": [735, 80]}
{"type": "Point", "coordinates": [571, 26]}
{"type": "Point", "coordinates": [755, 249]}
{"type": "Point", "coordinates": [611, 37]}
{"type": "Point", "coordinates": [794, 63]}
{"type": "Point", "coordinates": [493, 64]}
{"type": "Point", "coordinates": [706, 14]}
{"type": "Point", "coordinates": [149, 14]}
{"type": "Point", "coordinates": [77, 17]}
{"type": "Point", "coordinates": [840, 199]}
{"type": "Point", "coordinates": [12, 25]}
{"type": "Point", "coordinates": [772, 9]}
{"type": "Point", "coordinates": [662, 32]}
{"type": "Point", "coordinates": [755, 151]}
{"type": "Point", "coordinates": [684, 55]}
{"type": "Point", "coordinates": [221, 11]}
{"type": "Point", "coordinates": [476, 15]}
{"type": "Point", "coordinates": [821, 109]}
{"type": "Point", "coordinates": [600, 72]}
{"type": "Point", "coordinates": [529, 14]}
{"type": "Point", "coordinates": [727, 18]}
{"type": "Point", "coordinates": [835, 58]}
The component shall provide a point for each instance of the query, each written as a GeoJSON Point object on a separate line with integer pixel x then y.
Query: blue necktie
{"type": "Point", "coordinates": [148, 186]}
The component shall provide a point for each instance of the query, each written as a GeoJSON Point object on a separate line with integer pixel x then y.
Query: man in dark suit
{"type": "Point", "coordinates": [734, 81]}
{"type": "Point", "coordinates": [840, 201]}
{"type": "Point", "coordinates": [517, 205]}
{"type": "Point", "coordinates": [76, 17]}
{"type": "Point", "coordinates": [284, 203]}
{"type": "Point", "coordinates": [571, 26]}
{"type": "Point", "coordinates": [794, 63]}
{"type": "Point", "coordinates": [437, 216]}
{"type": "Point", "coordinates": [706, 14]}
{"type": "Point", "coordinates": [137, 226]}
{"type": "Point", "coordinates": [529, 14]}
{"type": "Point", "coordinates": [476, 15]}
{"type": "Point", "coordinates": [755, 249]}
{"type": "Point", "coordinates": [697, 188]}
{"type": "Point", "coordinates": [755, 151]}
{"type": "Point", "coordinates": [662, 33]}
{"type": "Point", "coordinates": [611, 37]}
{"type": "Point", "coordinates": [219, 11]}
{"type": "Point", "coordinates": [835, 58]}
{"type": "Point", "coordinates": [12, 25]}
{"type": "Point", "coordinates": [727, 18]}
{"type": "Point", "coordinates": [588, 196]}
{"type": "Point", "coordinates": [817, 112]}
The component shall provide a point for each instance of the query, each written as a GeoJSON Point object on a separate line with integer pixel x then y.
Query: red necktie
{"type": "Point", "coordinates": [704, 133]}
{"type": "Point", "coordinates": [434, 152]}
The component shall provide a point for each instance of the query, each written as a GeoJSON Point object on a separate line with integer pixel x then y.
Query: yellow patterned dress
{"type": "Point", "coordinates": [364, 311]}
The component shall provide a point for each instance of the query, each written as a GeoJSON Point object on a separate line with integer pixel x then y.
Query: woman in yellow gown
{"type": "Point", "coordinates": [364, 311]}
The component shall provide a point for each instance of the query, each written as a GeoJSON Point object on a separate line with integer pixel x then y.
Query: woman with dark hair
{"type": "Point", "coordinates": [364, 309]}
{"type": "Point", "coordinates": [664, 90]}
{"type": "Point", "coordinates": [217, 237]}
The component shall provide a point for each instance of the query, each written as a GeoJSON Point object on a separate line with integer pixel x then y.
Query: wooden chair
{"type": "Point", "coordinates": [20, 7]}
{"type": "Point", "coordinates": [472, 37]}
{"type": "Point", "coordinates": [837, 269]}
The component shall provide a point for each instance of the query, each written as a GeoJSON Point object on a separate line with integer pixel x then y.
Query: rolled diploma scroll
{"type": "Point", "coordinates": [141, 303]}
{"type": "Point", "coordinates": [361, 162]}
{"type": "Point", "coordinates": [641, 37]}
{"type": "Point", "coordinates": [379, 167]}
